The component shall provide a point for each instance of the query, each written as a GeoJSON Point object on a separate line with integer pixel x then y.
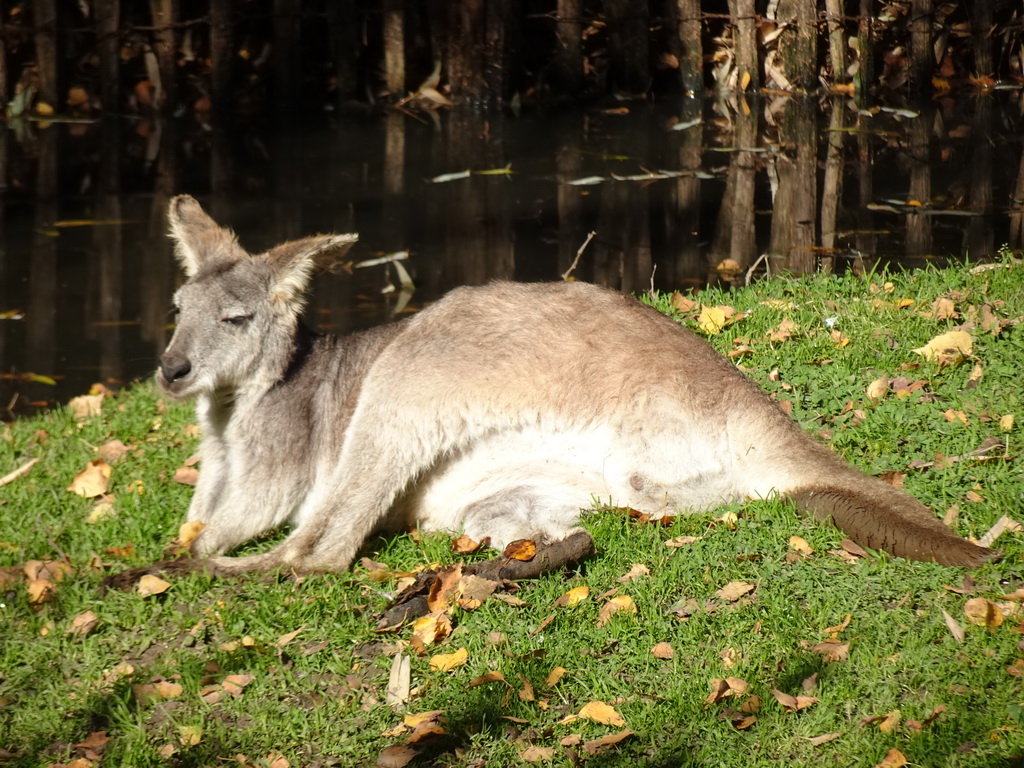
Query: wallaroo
{"type": "Point", "coordinates": [498, 411]}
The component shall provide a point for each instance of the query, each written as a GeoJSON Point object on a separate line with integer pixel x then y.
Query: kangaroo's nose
{"type": "Point", "coordinates": [174, 368]}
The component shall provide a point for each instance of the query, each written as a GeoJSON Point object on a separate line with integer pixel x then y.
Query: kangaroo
{"type": "Point", "coordinates": [498, 411]}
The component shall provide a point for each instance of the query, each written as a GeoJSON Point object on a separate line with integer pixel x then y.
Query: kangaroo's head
{"type": "Point", "coordinates": [237, 312]}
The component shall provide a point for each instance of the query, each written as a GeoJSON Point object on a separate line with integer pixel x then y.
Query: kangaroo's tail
{"type": "Point", "coordinates": [879, 516]}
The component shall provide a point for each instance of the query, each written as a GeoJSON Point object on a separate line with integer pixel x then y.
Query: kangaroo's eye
{"type": "Point", "coordinates": [237, 320]}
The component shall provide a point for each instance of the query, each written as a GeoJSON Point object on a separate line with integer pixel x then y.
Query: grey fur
{"type": "Point", "coordinates": [499, 411]}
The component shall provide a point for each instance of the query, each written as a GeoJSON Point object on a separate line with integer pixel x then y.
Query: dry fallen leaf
{"type": "Point", "coordinates": [712, 319]}
{"type": "Point", "coordinates": [734, 590]}
{"type": "Point", "coordinates": [85, 406]}
{"type": "Point", "coordinates": [399, 681]}
{"type": "Point", "coordinates": [535, 754]}
{"type": "Point", "coordinates": [800, 545]}
{"type": "Point", "coordinates": [619, 603]}
{"type": "Point", "coordinates": [794, 703]}
{"type": "Point", "coordinates": [983, 612]}
{"type": "Point", "coordinates": [636, 571]}
{"type": "Point", "coordinates": [890, 722]}
{"type": "Point", "coordinates": [947, 348]}
{"type": "Point", "coordinates": [464, 545]}
{"type": "Point", "coordinates": [83, 624]}
{"type": "Point", "coordinates": [878, 388]}
{"type": "Point", "coordinates": [92, 481]}
{"type": "Point", "coordinates": [187, 533]}
{"type": "Point", "coordinates": [397, 756]}
{"type": "Point", "coordinates": [832, 650]}
{"type": "Point", "coordinates": [723, 688]}
{"type": "Point", "coordinates": [112, 451]}
{"type": "Point", "coordinates": [554, 676]}
{"type": "Point", "coordinates": [151, 585]}
{"type": "Point", "coordinates": [663, 651]}
{"type": "Point", "coordinates": [521, 549]}
{"type": "Point", "coordinates": [954, 628]}
{"type": "Point", "coordinates": [445, 662]}
{"type": "Point", "coordinates": [894, 759]}
{"type": "Point", "coordinates": [817, 741]}
{"type": "Point", "coordinates": [233, 684]}
{"type": "Point", "coordinates": [186, 475]}
{"type": "Point", "coordinates": [600, 712]}
{"type": "Point", "coordinates": [428, 630]}
{"type": "Point", "coordinates": [490, 677]}
{"type": "Point", "coordinates": [681, 541]}
{"type": "Point", "coordinates": [597, 746]}
{"type": "Point", "coordinates": [574, 596]}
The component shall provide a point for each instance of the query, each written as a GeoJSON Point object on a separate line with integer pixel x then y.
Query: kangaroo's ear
{"type": "Point", "coordinates": [294, 262]}
{"type": "Point", "coordinates": [198, 239]}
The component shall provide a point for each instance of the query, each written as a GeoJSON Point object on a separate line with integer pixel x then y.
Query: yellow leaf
{"type": "Point", "coordinates": [681, 541]}
{"type": "Point", "coordinates": [521, 549]}
{"type": "Point", "coordinates": [574, 596]}
{"type": "Point", "coordinates": [554, 676]}
{"type": "Point", "coordinates": [947, 348]}
{"type": "Point", "coordinates": [893, 759]}
{"type": "Point", "coordinates": [167, 689]}
{"type": "Point", "coordinates": [890, 722]}
{"type": "Point", "coordinates": [983, 612]}
{"type": "Point", "coordinates": [101, 511]}
{"type": "Point", "coordinates": [623, 603]}
{"type": "Point", "coordinates": [93, 480]}
{"type": "Point", "coordinates": [190, 735]}
{"type": "Point", "coordinates": [600, 712]}
{"type": "Point", "coordinates": [799, 544]}
{"type": "Point", "coordinates": [1006, 422]}
{"type": "Point", "coordinates": [42, 108]}
{"type": "Point", "coordinates": [734, 590]}
{"type": "Point", "coordinates": [444, 662]}
{"type": "Point", "coordinates": [187, 532]}
{"type": "Point", "coordinates": [744, 80]}
{"type": "Point", "coordinates": [428, 630]}
{"type": "Point", "coordinates": [711, 320]}
{"type": "Point", "coordinates": [152, 585]}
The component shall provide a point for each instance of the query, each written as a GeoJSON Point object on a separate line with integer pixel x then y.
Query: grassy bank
{"type": "Point", "coordinates": [740, 637]}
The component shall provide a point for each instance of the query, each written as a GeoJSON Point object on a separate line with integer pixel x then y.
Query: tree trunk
{"type": "Point", "coordinates": [832, 185]}
{"type": "Point", "coordinates": [747, 65]}
{"type": "Point", "coordinates": [795, 206]}
{"type": "Point", "coordinates": [919, 228]}
{"type": "Point", "coordinates": [45, 21]}
{"type": "Point", "coordinates": [836, 39]}
{"type": "Point", "coordinates": [287, 83]}
{"type": "Point", "coordinates": [865, 54]}
{"type": "Point", "coordinates": [107, 23]}
{"type": "Point", "coordinates": [466, 52]}
{"type": "Point", "coordinates": [628, 34]}
{"type": "Point", "coordinates": [567, 61]}
{"type": "Point", "coordinates": [979, 236]}
{"type": "Point", "coordinates": [222, 50]}
{"type": "Point", "coordinates": [798, 45]}
{"type": "Point", "coordinates": [164, 14]}
{"type": "Point", "coordinates": [922, 57]}
{"type": "Point", "coordinates": [690, 51]}
{"type": "Point", "coordinates": [981, 26]}
{"type": "Point", "coordinates": [393, 28]}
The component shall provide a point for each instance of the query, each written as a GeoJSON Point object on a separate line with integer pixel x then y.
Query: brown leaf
{"type": "Point", "coordinates": [734, 590]}
{"type": "Point", "coordinates": [474, 590]}
{"type": "Point", "coordinates": [526, 694]}
{"type": "Point", "coordinates": [41, 591]}
{"type": "Point", "coordinates": [894, 759]}
{"type": "Point", "coordinates": [186, 475]}
{"type": "Point", "coordinates": [112, 451]}
{"type": "Point", "coordinates": [954, 628]}
{"type": "Point", "coordinates": [83, 624]}
{"type": "Point", "coordinates": [490, 677]}
{"type": "Point", "coordinates": [817, 741]}
{"type": "Point", "coordinates": [738, 720]}
{"type": "Point", "coordinates": [890, 722]}
{"type": "Point", "coordinates": [832, 650]}
{"type": "Point", "coordinates": [233, 684]}
{"type": "Point", "coordinates": [636, 571]}
{"type": "Point", "coordinates": [92, 481]}
{"type": "Point", "coordinates": [794, 703]}
{"type": "Point", "coordinates": [444, 589]}
{"type": "Point", "coordinates": [535, 754]}
{"type": "Point", "coordinates": [596, 746]}
{"type": "Point", "coordinates": [397, 756]}
{"type": "Point", "coordinates": [464, 545]}
{"type": "Point", "coordinates": [600, 712]}
{"type": "Point", "coordinates": [681, 541]}
{"type": "Point", "coordinates": [799, 544]}
{"type": "Point", "coordinates": [983, 612]}
{"type": "Point", "coordinates": [521, 549]}
{"type": "Point", "coordinates": [85, 406]}
{"type": "Point", "coordinates": [724, 688]}
{"type": "Point", "coordinates": [663, 651]}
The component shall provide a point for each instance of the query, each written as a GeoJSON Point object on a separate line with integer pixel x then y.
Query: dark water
{"type": "Point", "coordinates": [812, 185]}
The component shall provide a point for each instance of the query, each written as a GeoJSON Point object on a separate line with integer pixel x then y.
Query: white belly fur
{"type": "Point", "coordinates": [565, 471]}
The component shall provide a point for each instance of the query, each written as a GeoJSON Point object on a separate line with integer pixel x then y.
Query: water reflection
{"type": "Point", "coordinates": [688, 193]}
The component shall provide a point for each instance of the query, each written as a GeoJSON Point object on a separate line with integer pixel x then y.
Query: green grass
{"type": "Point", "coordinates": [319, 699]}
